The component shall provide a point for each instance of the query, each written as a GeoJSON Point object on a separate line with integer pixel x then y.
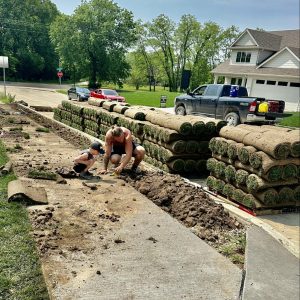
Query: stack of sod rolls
{"type": "Point", "coordinates": [257, 166]}
{"type": "Point", "coordinates": [177, 144]}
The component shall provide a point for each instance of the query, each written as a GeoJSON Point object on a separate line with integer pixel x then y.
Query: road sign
{"type": "Point", "coordinates": [3, 62]}
{"type": "Point", "coordinates": [60, 74]}
{"type": "Point", "coordinates": [163, 101]}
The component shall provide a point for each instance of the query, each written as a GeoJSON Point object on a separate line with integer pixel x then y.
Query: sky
{"type": "Point", "coordinates": [265, 14]}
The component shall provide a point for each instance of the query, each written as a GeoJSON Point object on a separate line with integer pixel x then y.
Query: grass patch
{"type": "Point", "coordinates": [42, 129]}
{"type": "Point", "coordinates": [142, 96]}
{"type": "Point", "coordinates": [292, 121]}
{"type": "Point", "coordinates": [20, 270]}
{"type": "Point", "coordinates": [62, 92]}
{"type": "Point", "coordinates": [7, 99]}
{"type": "Point", "coordinates": [234, 248]}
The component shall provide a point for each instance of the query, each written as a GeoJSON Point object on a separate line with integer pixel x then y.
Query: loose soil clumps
{"type": "Point", "coordinates": [188, 204]}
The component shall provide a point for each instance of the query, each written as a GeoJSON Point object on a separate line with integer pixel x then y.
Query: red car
{"type": "Point", "coordinates": [110, 95]}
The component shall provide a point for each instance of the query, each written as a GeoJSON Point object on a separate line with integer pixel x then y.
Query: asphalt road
{"type": "Point", "coordinates": [40, 96]}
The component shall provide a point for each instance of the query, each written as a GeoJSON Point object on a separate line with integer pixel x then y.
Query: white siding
{"type": "Point", "coordinates": [252, 61]}
{"type": "Point", "coordinates": [245, 40]}
{"type": "Point", "coordinates": [283, 60]}
{"type": "Point", "coordinates": [263, 55]}
{"type": "Point", "coordinates": [290, 95]}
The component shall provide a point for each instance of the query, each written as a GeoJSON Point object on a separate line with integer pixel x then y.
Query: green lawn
{"type": "Point", "coordinates": [142, 96]}
{"type": "Point", "coordinates": [20, 270]}
{"type": "Point", "coordinates": [292, 121]}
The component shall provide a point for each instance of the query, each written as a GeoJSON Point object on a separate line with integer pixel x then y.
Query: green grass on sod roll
{"type": "Point", "coordinates": [230, 173]}
{"type": "Point", "coordinates": [211, 182]}
{"type": "Point", "coordinates": [228, 190]}
{"type": "Point", "coordinates": [191, 147]}
{"type": "Point", "coordinates": [269, 196]}
{"type": "Point", "coordinates": [249, 201]}
{"type": "Point", "coordinates": [255, 160]}
{"type": "Point", "coordinates": [177, 165]}
{"type": "Point", "coordinates": [220, 169]}
{"type": "Point", "coordinates": [289, 171]}
{"type": "Point", "coordinates": [241, 176]}
{"type": "Point", "coordinates": [297, 193]}
{"type": "Point", "coordinates": [285, 194]}
{"type": "Point", "coordinates": [211, 164]}
{"type": "Point", "coordinates": [275, 173]}
{"type": "Point", "coordinates": [198, 128]}
{"type": "Point", "coordinates": [190, 165]}
{"type": "Point", "coordinates": [219, 185]}
{"type": "Point", "coordinates": [212, 145]}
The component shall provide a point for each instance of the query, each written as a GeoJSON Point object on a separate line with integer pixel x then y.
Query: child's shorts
{"type": "Point", "coordinates": [78, 168]}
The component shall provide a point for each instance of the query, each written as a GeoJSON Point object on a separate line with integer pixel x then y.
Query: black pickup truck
{"type": "Point", "coordinates": [230, 103]}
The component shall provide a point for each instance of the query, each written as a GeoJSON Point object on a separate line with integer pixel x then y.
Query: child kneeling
{"type": "Point", "coordinates": [86, 160]}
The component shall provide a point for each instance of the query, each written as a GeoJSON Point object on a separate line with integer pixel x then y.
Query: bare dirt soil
{"type": "Point", "coordinates": [79, 219]}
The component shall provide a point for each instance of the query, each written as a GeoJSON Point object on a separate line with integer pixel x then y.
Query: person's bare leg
{"type": "Point", "coordinates": [89, 165]}
{"type": "Point", "coordinates": [139, 154]}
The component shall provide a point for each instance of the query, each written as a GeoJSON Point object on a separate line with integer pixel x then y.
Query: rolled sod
{"type": "Point", "coordinates": [238, 196]}
{"type": "Point", "coordinates": [169, 135]}
{"type": "Point", "coordinates": [201, 166]}
{"type": "Point", "coordinates": [211, 182]}
{"type": "Point", "coordinates": [94, 101]}
{"type": "Point", "coordinates": [179, 123]}
{"type": "Point", "coordinates": [228, 190]}
{"type": "Point", "coordinates": [285, 194]}
{"type": "Point", "coordinates": [244, 153]}
{"type": "Point", "coordinates": [268, 196]}
{"type": "Point", "coordinates": [191, 147]}
{"type": "Point", "coordinates": [219, 185]}
{"type": "Point", "coordinates": [189, 166]}
{"type": "Point", "coordinates": [255, 183]}
{"type": "Point", "coordinates": [107, 105]}
{"type": "Point", "coordinates": [177, 146]}
{"type": "Point", "coordinates": [268, 143]}
{"type": "Point", "coordinates": [249, 201]}
{"type": "Point", "coordinates": [212, 145]}
{"type": "Point", "coordinates": [198, 128]}
{"type": "Point", "coordinates": [210, 128]}
{"type": "Point", "coordinates": [230, 173]}
{"type": "Point", "coordinates": [294, 138]}
{"type": "Point", "coordinates": [203, 147]}
{"type": "Point", "coordinates": [235, 133]}
{"type": "Point", "coordinates": [241, 177]}
{"type": "Point", "coordinates": [135, 114]}
{"type": "Point", "coordinates": [289, 171]}
{"type": "Point", "coordinates": [233, 149]}
{"type": "Point", "coordinates": [176, 165]}
{"type": "Point", "coordinates": [220, 169]}
{"type": "Point", "coordinates": [297, 193]}
{"type": "Point", "coordinates": [120, 108]}
{"type": "Point", "coordinates": [211, 164]}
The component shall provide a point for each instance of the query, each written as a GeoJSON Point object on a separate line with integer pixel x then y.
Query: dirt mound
{"type": "Point", "coordinates": [187, 203]}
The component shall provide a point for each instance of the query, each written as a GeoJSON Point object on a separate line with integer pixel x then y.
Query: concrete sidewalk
{"type": "Point", "coordinates": [272, 272]}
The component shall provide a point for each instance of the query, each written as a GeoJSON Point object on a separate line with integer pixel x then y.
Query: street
{"type": "Point", "coordinates": [36, 94]}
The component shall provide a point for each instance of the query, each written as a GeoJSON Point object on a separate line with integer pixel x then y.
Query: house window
{"type": "Point", "coordinates": [295, 84]}
{"type": "Point", "coordinates": [271, 82]}
{"type": "Point", "coordinates": [243, 57]}
{"type": "Point", "coordinates": [282, 83]}
{"type": "Point", "coordinates": [259, 81]}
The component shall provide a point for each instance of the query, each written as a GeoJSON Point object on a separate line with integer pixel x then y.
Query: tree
{"type": "Point", "coordinates": [94, 40]}
{"type": "Point", "coordinates": [24, 38]}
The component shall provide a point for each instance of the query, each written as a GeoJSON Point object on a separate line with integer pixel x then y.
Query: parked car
{"type": "Point", "coordinates": [110, 95]}
{"type": "Point", "coordinates": [230, 103]}
{"type": "Point", "coordinates": [78, 93]}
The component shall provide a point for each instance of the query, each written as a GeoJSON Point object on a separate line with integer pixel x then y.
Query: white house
{"type": "Point", "coordinates": [267, 64]}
